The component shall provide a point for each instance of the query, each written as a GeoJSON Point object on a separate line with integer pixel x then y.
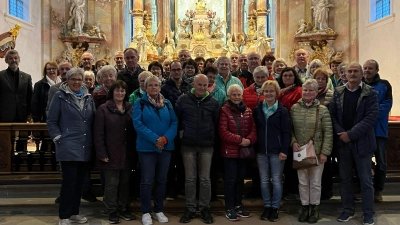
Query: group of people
{"type": "Point", "coordinates": [182, 119]}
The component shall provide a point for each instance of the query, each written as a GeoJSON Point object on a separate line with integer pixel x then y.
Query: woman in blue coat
{"type": "Point", "coordinates": [156, 125]}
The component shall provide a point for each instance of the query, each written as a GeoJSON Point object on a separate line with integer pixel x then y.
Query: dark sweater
{"type": "Point", "coordinates": [350, 107]}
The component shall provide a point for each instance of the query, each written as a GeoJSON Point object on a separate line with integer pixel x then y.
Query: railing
{"type": "Point", "coordinates": [27, 148]}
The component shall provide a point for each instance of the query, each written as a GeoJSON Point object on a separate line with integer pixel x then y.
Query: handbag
{"type": "Point", "coordinates": [306, 157]}
{"type": "Point", "coordinates": [244, 152]}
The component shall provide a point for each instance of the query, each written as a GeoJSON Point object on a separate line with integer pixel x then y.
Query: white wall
{"type": "Point", "coordinates": [381, 41]}
{"type": "Point", "coordinates": [28, 42]}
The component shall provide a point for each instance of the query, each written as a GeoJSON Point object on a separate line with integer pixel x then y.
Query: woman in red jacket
{"type": "Point", "coordinates": [290, 85]}
{"type": "Point", "coordinates": [236, 129]}
{"type": "Point", "coordinates": [252, 95]}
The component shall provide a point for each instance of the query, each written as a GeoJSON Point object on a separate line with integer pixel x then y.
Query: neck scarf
{"type": "Point", "coordinates": [258, 88]}
{"type": "Point", "coordinates": [241, 106]}
{"type": "Point", "coordinates": [157, 102]}
{"type": "Point", "coordinates": [51, 82]}
{"type": "Point", "coordinates": [269, 111]}
{"type": "Point", "coordinates": [211, 88]}
{"type": "Point", "coordinates": [78, 95]}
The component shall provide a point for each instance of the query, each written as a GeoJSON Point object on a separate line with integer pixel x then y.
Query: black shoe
{"type": "Point", "coordinates": [314, 214]}
{"type": "Point", "coordinates": [57, 201]}
{"type": "Point", "coordinates": [187, 217]}
{"type": "Point", "coordinates": [89, 196]}
{"type": "Point", "coordinates": [126, 215]}
{"type": "Point", "coordinates": [304, 214]}
{"type": "Point", "coordinates": [113, 218]}
{"type": "Point", "coordinates": [206, 216]}
{"type": "Point", "coordinates": [266, 213]}
{"type": "Point", "coordinates": [242, 212]}
{"type": "Point", "coordinates": [273, 215]}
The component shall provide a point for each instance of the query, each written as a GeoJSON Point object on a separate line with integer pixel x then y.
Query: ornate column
{"type": "Point", "coordinates": [137, 13]}
{"type": "Point", "coordinates": [164, 18]}
{"type": "Point", "coordinates": [234, 17]}
{"type": "Point", "coordinates": [262, 12]}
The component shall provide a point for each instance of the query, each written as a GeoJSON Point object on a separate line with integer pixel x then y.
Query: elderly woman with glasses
{"type": "Point", "coordinates": [108, 75]}
{"type": "Point", "coordinates": [252, 95]}
{"type": "Point", "coordinates": [315, 64]}
{"type": "Point", "coordinates": [303, 129]}
{"type": "Point", "coordinates": [70, 122]}
{"type": "Point", "coordinates": [138, 93]}
{"type": "Point", "coordinates": [156, 126]}
{"type": "Point", "coordinates": [277, 66]}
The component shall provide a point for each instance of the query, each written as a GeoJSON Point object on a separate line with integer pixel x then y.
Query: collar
{"type": "Point", "coordinates": [298, 70]}
{"type": "Point", "coordinates": [9, 71]}
{"type": "Point", "coordinates": [356, 88]}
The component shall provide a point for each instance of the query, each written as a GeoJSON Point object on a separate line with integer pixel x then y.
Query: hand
{"type": "Point", "coordinates": [160, 143]}
{"type": "Point", "coordinates": [245, 142]}
{"type": "Point", "coordinates": [322, 158]}
{"type": "Point", "coordinates": [105, 160]}
{"type": "Point", "coordinates": [344, 137]}
{"type": "Point", "coordinates": [296, 147]}
{"type": "Point", "coordinates": [282, 156]}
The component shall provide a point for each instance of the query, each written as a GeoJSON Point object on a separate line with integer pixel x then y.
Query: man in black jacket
{"type": "Point", "coordinates": [15, 91]}
{"type": "Point", "coordinates": [131, 71]}
{"type": "Point", "coordinates": [198, 113]}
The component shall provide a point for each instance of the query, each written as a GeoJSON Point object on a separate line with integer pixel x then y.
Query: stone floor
{"type": "Point", "coordinates": [34, 205]}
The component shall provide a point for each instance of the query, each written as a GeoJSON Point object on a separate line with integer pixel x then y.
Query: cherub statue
{"type": "Point", "coordinates": [169, 45]}
{"type": "Point", "coordinates": [302, 28]}
{"type": "Point", "coordinates": [218, 28]}
{"type": "Point", "coordinates": [183, 24]}
{"type": "Point", "coordinates": [99, 33]}
{"type": "Point", "coordinates": [232, 46]}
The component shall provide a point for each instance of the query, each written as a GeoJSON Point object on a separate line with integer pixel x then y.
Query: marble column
{"type": "Point", "coordinates": [137, 13]}
{"type": "Point", "coordinates": [262, 12]}
{"type": "Point", "coordinates": [164, 19]}
{"type": "Point", "coordinates": [235, 7]}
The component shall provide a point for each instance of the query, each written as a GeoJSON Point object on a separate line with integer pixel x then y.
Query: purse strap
{"type": "Point", "coordinates": [237, 122]}
{"type": "Point", "coordinates": [316, 123]}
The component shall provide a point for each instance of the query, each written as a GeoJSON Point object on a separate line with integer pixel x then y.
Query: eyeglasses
{"type": "Point", "coordinates": [254, 58]}
{"type": "Point", "coordinates": [76, 80]}
{"type": "Point", "coordinates": [176, 70]}
{"type": "Point", "coordinates": [189, 68]}
{"type": "Point", "coordinates": [87, 59]}
{"type": "Point", "coordinates": [50, 69]}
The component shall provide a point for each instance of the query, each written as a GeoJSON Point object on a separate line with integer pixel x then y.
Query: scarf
{"type": "Point", "coordinates": [287, 89]}
{"type": "Point", "coordinates": [211, 88]}
{"type": "Point", "coordinates": [321, 91]}
{"type": "Point", "coordinates": [258, 89]}
{"type": "Point", "coordinates": [269, 111]}
{"type": "Point", "coordinates": [105, 89]}
{"type": "Point", "coordinates": [51, 82]}
{"type": "Point", "coordinates": [309, 104]}
{"type": "Point", "coordinates": [241, 107]}
{"type": "Point", "coordinates": [78, 95]}
{"type": "Point", "coordinates": [158, 102]}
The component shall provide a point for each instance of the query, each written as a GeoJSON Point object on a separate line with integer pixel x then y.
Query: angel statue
{"type": "Point", "coordinates": [262, 43]}
{"type": "Point", "coordinates": [321, 10]}
{"type": "Point", "coordinates": [98, 32]}
{"type": "Point", "coordinates": [169, 46]}
{"type": "Point", "coordinates": [232, 46]}
{"type": "Point", "coordinates": [302, 28]}
{"type": "Point", "coordinates": [218, 28]}
{"type": "Point", "coordinates": [77, 14]}
{"type": "Point", "coordinates": [142, 44]}
{"type": "Point", "coordinates": [183, 24]}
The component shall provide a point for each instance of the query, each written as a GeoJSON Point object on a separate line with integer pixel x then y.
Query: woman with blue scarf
{"type": "Point", "coordinates": [69, 122]}
{"type": "Point", "coordinates": [273, 140]}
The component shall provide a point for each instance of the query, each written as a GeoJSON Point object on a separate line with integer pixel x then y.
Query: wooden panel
{"type": "Point", "coordinates": [393, 147]}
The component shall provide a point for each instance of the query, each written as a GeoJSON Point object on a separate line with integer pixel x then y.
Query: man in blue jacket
{"type": "Point", "coordinates": [354, 111]}
{"type": "Point", "coordinates": [384, 89]}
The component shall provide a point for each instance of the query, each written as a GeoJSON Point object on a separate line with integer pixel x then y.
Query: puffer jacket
{"type": "Point", "coordinates": [100, 97]}
{"type": "Point", "coordinates": [274, 135]}
{"type": "Point", "coordinates": [72, 125]}
{"type": "Point", "coordinates": [246, 78]}
{"type": "Point", "coordinates": [251, 98]}
{"type": "Point", "coordinates": [220, 95]}
{"type": "Point", "coordinates": [303, 120]}
{"type": "Point", "coordinates": [112, 136]}
{"type": "Point", "coordinates": [171, 92]}
{"type": "Point", "coordinates": [229, 132]}
{"type": "Point", "coordinates": [325, 97]}
{"type": "Point", "coordinates": [362, 134]}
{"type": "Point", "coordinates": [198, 119]}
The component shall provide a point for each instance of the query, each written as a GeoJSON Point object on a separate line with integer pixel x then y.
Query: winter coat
{"type": "Point", "coordinates": [246, 78]}
{"type": "Point", "coordinates": [100, 97]}
{"type": "Point", "coordinates": [362, 134]}
{"type": "Point", "coordinates": [273, 135]}
{"type": "Point", "coordinates": [303, 121]}
{"type": "Point", "coordinates": [220, 95]}
{"type": "Point", "coordinates": [325, 97]}
{"type": "Point", "coordinates": [385, 101]}
{"type": "Point", "coordinates": [219, 82]}
{"type": "Point", "coordinates": [112, 133]}
{"type": "Point", "coordinates": [39, 100]}
{"type": "Point", "coordinates": [151, 123]}
{"type": "Point", "coordinates": [251, 98]}
{"type": "Point", "coordinates": [291, 97]}
{"type": "Point", "coordinates": [229, 132]}
{"type": "Point", "coordinates": [135, 96]}
{"type": "Point", "coordinates": [66, 118]}
{"type": "Point", "coordinates": [171, 91]}
{"type": "Point", "coordinates": [130, 78]}
{"type": "Point", "coordinates": [198, 118]}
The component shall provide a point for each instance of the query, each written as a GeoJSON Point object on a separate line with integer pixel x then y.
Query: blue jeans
{"type": "Point", "coordinates": [197, 159]}
{"type": "Point", "coordinates": [345, 160]}
{"type": "Point", "coordinates": [154, 167]}
{"type": "Point", "coordinates": [235, 171]}
{"type": "Point", "coordinates": [271, 168]}
{"type": "Point", "coordinates": [73, 174]}
{"type": "Point", "coordinates": [116, 189]}
{"type": "Point", "coordinates": [380, 169]}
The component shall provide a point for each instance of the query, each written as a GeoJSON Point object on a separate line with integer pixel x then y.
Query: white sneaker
{"type": "Point", "coordinates": [64, 222]}
{"type": "Point", "coordinates": [160, 217]}
{"type": "Point", "coordinates": [78, 219]}
{"type": "Point", "coordinates": [146, 219]}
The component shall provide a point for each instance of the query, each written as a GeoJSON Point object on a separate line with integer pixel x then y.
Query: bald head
{"type": "Point", "coordinates": [64, 68]}
{"type": "Point", "coordinates": [200, 84]}
{"type": "Point", "coordinates": [183, 55]}
{"type": "Point", "coordinates": [301, 57]}
{"type": "Point", "coordinates": [87, 60]}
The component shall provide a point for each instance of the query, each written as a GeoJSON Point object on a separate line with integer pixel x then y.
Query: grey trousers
{"type": "Point", "coordinates": [116, 190]}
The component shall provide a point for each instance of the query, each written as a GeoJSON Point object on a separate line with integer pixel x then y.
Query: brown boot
{"type": "Point", "coordinates": [304, 214]}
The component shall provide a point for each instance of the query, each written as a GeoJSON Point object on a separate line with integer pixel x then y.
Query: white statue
{"type": "Point", "coordinates": [142, 44]}
{"type": "Point", "coordinates": [231, 44]}
{"type": "Point", "coordinates": [302, 28]}
{"type": "Point", "coordinates": [218, 28]}
{"type": "Point", "coordinates": [262, 41]}
{"type": "Point", "coordinates": [169, 46]}
{"type": "Point", "coordinates": [99, 33]}
{"type": "Point", "coordinates": [321, 13]}
{"type": "Point", "coordinates": [183, 24]}
{"type": "Point", "coordinates": [77, 14]}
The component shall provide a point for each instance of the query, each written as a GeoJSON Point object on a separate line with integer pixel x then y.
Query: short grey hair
{"type": "Point", "coordinates": [342, 66]}
{"type": "Point", "coordinates": [89, 73]}
{"type": "Point", "coordinates": [234, 87]}
{"type": "Point", "coordinates": [356, 64]}
{"type": "Point", "coordinates": [144, 74]}
{"type": "Point", "coordinates": [11, 52]}
{"type": "Point", "coordinates": [152, 78]}
{"type": "Point", "coordinates": [317, 62]}
{"type": "Point", "coordinates": [105, 69]}
{"type": "Point", "coordinates": [222, 58]}
{"type": "Point", "coordinates": [74, 71]}
{"type": "Point", "coordinates": [262, 69]}
{"type": "Point", "coordinates": [312, 83]}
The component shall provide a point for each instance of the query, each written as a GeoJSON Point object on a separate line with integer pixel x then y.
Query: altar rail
{"type": "Point", "coordinates": [27, 149]}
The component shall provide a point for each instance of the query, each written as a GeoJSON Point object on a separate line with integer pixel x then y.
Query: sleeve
{"type": "Point", "coordinates": [369, 118]}
{"type": "Point", "coordinates": [285, 131]}
{"type": "Point", "coordinates": [54, 117]}
{"type": "Point", "coordinates": [141, 129]}
{"type": "Point", "coordinates": [173, 127]}
{"type": "Point", "coordinates": [327, 132]}
{"type": "Point", "coordinates": [132, 98]}
{"type": "Point", "coordinates": [386, 105]}
{"type": "Point", "coordinates": [225, 134]}
{"type": "Point", "coordinates": [99, 134]}
{"type": "Point", "coordinates": [37, 91]}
